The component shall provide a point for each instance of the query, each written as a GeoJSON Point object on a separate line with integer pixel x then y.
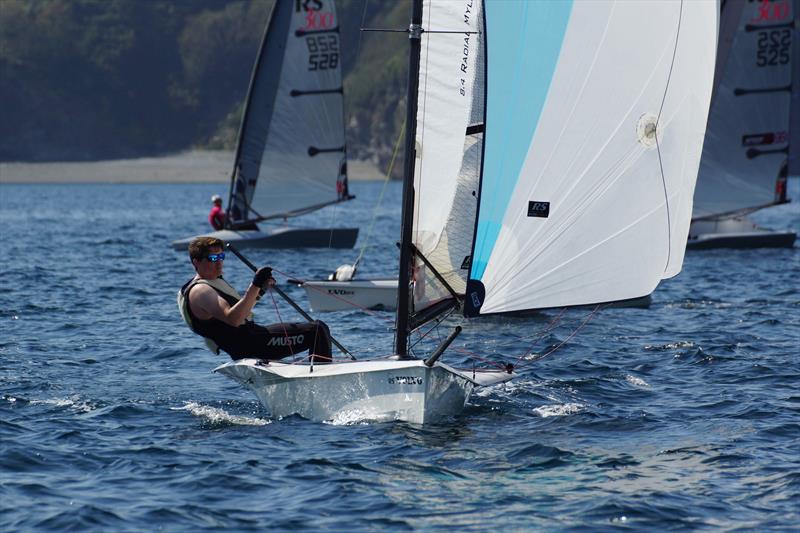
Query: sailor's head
{"type": "Point", "coordinates": [206, 254]}
{"type": "Point", "coordinates": [216, 199]}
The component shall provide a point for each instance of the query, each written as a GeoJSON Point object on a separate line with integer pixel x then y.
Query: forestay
{"type": "Point", "coordinates": [747, 143]}
{"type": "Point", "coordinates": [291, 152]}
{"type": "Point", "coordinates": [595, 116]}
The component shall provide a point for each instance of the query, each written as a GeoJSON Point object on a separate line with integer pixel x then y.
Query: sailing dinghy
{"type": "Point", "coordinates": [750, 127]}
{"type": "Point", "coordinates": [290, 156]}
{"type": "Point", "coordinates": [574, 187]}
{"type": "Point", "coordinates": [341, 295]}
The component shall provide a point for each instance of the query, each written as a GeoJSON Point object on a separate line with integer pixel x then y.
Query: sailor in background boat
{"type": "Point", "coordinates": [217, 216]}
{"type": "Point", "coordinates": [215, 311]}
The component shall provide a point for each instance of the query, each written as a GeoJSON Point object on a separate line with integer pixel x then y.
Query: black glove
{"type": "Point", "coordinates": [263, 275]}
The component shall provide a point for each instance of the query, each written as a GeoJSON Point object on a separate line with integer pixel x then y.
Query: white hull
{"type": "Point", "coordinates": [380, 390]}
{"type": "Point", "coordinates": [287, 237]}
{"type": "Point", "coordinates": [736, 233]}
{"type": "Point", "coordinates": [354, 294]}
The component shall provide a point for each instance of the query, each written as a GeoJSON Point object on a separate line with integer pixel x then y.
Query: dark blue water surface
{"type": "Point", "coordinates": [685, 415]}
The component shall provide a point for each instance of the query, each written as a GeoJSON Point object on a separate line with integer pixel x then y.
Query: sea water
{"type": "Point", "coordinates": [683, 415]}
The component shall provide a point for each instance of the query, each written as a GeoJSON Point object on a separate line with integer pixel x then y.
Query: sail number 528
{"type": "Point", "coordinates": [773, 47]}
{"type": "Point", "coordinates": [323, 51]}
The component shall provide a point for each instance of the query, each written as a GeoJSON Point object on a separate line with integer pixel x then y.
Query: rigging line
{"type": "Point", "coordinates": [553, 323]}
{"type": "Point", "coordinates": [247, 206]}
{"type": "Point", "coordinates": [658, 145]}
{"type": "Point", "coordinates": [476, 357]}
{"type": "Point", "coordinates": [383, 191]}
{"type": "Point", "coordinates": [363, 19]}
{"type": "Point", "coordinates": [562, 343]}
{"type": "Point", "coordinates": [435, 325]}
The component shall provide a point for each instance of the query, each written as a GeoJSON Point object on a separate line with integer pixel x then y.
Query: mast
{"type": "Point", "coordinates": [404, 276]}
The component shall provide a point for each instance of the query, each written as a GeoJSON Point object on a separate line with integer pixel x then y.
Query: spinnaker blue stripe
{"type": "Point", "coordinates": [523, 43]}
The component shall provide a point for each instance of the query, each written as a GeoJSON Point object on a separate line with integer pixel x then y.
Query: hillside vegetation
{"type": "Point", "coordinates": [103, 79]}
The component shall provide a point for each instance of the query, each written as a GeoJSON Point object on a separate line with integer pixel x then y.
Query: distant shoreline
{"type": "Point", "coordinates": [198, 166]}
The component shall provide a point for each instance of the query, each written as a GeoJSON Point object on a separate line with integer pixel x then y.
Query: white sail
{"type": "Point", "coordinates": [291, 154]}
{"type": "Point", "coordinates": [579, 202]}
{"type": "Point", "coordinates": [746, 144]}
{"type": "Point", "coordinates": [448, 144]}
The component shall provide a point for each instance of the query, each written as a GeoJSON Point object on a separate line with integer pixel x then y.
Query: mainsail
{"type": "Point", "coordinates": [290, 157]}
{"type": "Point", "coordinates": [574, 183]}
{"type": "Point", "coordinates": [744, 163]}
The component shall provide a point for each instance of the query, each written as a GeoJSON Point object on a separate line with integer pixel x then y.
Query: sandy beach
{"type": "Point", "coordinates": [187, 167]}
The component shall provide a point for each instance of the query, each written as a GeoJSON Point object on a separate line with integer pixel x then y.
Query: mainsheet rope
{"type": "Point", "coordinates": [383, 191]}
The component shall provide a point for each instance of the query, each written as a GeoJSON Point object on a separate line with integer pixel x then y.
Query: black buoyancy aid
{"type": "Point", "coordinates": [216, 333]}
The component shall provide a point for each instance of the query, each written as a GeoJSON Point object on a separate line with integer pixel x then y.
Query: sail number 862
{"type": "Point", "coordinates": [323, 51]}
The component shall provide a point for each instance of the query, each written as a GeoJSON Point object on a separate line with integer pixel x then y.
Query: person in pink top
{"type": "Point", "coordinates": [217, 216]}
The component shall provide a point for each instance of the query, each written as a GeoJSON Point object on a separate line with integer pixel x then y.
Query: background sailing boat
{"type": "Point", "coordinates": [744, 166]}
{"type": "Point", "coordinates": [291, 155]}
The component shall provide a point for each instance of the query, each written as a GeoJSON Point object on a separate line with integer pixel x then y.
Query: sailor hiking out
{"type": "Point", "coordinates": [214, 310]}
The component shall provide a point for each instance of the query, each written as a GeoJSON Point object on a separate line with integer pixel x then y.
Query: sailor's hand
{"type": "Point", "coordinates": [263, 278]}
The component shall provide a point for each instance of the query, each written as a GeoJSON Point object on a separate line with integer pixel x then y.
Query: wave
{"type": "Point", "coordinates": [636, 382]}
{"type": "Point", "coordinates": [73, 402]}
{"type": "Point", "coordinates": [565, 409]}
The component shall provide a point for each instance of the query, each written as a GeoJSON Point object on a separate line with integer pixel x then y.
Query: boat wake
{"type": "Point", "coordinates": [352, 418]}
{"type": "Point", "coordinates": [546, 411]}
{"type": "Point", "coordinates": [220, 417]}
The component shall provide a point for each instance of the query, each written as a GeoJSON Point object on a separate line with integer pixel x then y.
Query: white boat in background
{"type": "Point", "coordinates": [291, 157]}
{"type": "Point", "coordinates": [573, 187]}
{"type": "Point", "coordinates": [751, 125]}
{"type": "Point", "coordinates": [380, 294]}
